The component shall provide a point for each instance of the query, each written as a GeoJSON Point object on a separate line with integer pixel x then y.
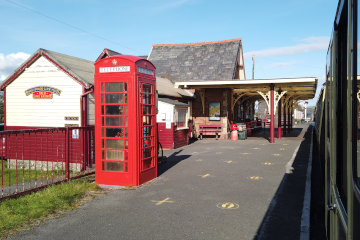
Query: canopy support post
{"type": "Point", "coordinates": [272, 114]}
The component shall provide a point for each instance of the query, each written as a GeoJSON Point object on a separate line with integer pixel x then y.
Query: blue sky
{"type": "Point", "coordinates": [289, 38]}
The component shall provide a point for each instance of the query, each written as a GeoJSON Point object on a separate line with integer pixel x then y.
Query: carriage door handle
{"type": "Point", "coordinates": [332, 207]}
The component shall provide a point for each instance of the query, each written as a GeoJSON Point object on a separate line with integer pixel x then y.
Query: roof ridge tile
{"type": "Point", "coordinates": [197, 43]}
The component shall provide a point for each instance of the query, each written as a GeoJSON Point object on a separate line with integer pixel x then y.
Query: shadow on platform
{"type": "Point", "coordinates": [295, 132]}
{"type": "Point", "coordinates": [283, 217]}
{"type": "Point", "coordinates": [170, 161]}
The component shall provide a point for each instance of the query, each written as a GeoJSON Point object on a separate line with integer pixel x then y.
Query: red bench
{"type": "Point", "coordinates": [209, 128]}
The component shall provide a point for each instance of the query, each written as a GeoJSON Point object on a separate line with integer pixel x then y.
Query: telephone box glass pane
{"type": "Point", "coordinates": [114, 110]}
{"type": "Point", "coordinates": [147, 88]}
{"type": "Point", "coordinates": [114, 121]}
{"type": "Point", "coordinates": [147, 152]}
{"type": "Point", "coordinates": [114, 87]}
{"type": "Point", "coordinates": [115, 132]}
{"type": "Point", "coordinates": [147, 110]}
{"type": "Point", "coordinates": [146, 99]}
{"type": "Point", "coordinates": [147, 142]}
{"type": "Point", "coordinates": [114, 143]}
{"type": "Point", "coordinates": [115, 166]}
{"type": "Point", "coordinates": [114, 155]}
{"type": "Point", "coordinates": [114, 98]}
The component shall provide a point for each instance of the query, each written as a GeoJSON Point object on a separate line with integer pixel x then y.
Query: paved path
{"type": "Point", "coordinates": [207, 190]}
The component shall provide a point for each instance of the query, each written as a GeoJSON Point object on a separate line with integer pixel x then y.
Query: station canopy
{"type": "Point", "coordinates": [297, 88]}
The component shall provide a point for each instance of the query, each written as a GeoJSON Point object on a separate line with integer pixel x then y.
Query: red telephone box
{"type": "Point", "coordinates": [125, 121]}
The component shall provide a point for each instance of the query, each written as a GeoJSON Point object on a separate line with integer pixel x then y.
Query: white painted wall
{"type": "Point", "coordinates": [165, 110]}
{"type": "Point", "coordinates": [22, 110]}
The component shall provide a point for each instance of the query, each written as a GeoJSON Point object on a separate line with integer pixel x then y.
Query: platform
{"type": "Point", "coordinates": [207, 190]}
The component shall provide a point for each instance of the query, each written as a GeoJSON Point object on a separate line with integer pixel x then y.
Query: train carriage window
{"type": "Point", "coordinates": [357, 163]}
{"type": "Point", "coordinates": [341, 100]}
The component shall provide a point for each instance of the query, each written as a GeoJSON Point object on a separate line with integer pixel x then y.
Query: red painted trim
{"type": "Point", "coordinates": [289, 117]}
{"type": "Point", "coordinates": [20, 70]}
{"type": "Point", "coordinates": [88, 92]}
{"type": "Point", "coordinates": [31, 61]}
{"type": "Point", "coordinates": [272, 117]}
{"type": "Point", "coordinates": [84, 106]}
{"type": "Point", "coordinates": [279, 117]}
{"type": "Point", "coordinates": [82, 111]}
{"type": "Point", "coordinates": [5, 109]}
{"type": "Point", "coordinates": [284, 116]}
{"type": "Point", "coordinates": [63, 69]}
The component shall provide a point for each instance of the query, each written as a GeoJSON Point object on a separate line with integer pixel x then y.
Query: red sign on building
{"type": "Point", "coordinates": [42, 94]}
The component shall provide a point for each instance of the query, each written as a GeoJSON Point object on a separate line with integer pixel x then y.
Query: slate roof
{"type": "Point", "coordinates": [173, 102]}
{"type": "Point", "coordinates": [165, 87]}
{"type": "Point", "coordinates": [196, 61]}
{"type": "Point", "coordinates": [107, 53]}
{"type": "Point", "coordinates": [79, 69]}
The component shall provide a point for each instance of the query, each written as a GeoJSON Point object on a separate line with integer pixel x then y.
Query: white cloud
{"type": "Point", "coordinates": [309, 44]}
{"type": "Point", "coordinates": [8, 63]}
{"type": "Point", "coordinates": [170, 5]}
{"type": "Point", "coordinates": [282, 64]}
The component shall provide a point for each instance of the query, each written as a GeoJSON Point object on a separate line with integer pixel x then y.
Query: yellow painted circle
{"type": "Point", "coordinates": [227, 205]}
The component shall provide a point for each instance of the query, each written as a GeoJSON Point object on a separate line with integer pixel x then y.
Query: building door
{"type": "Point", "coordinates": [148, 142]}
{"type": "Point", "coordinates": [114, 130]}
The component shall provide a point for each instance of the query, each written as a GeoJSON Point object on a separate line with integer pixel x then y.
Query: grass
{"type": "Point", "coordinates": [16, 214]}
{"type": "Point", "coordinates": [18, 174]}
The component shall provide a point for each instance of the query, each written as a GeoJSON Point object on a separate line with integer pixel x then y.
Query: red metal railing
{"type": "Point", "coordinates": [35, 159]}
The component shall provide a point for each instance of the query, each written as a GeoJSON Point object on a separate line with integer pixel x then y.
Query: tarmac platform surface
{"type": "Point", "coordinates": [210, 189]}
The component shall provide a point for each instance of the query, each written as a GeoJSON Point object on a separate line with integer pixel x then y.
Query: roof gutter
{"type": "Point", "coordinates": [88, 92]}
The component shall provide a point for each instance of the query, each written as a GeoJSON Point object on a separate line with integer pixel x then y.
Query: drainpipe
{"type": "Point", "coordinates": [84, 106]}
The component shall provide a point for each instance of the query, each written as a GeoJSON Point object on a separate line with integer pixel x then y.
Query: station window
{"type": "Point", "coordinates": [181, 118]}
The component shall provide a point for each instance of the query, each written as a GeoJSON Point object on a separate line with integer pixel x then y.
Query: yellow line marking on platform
{"type": "Point", "coordinates": [267, 163]}
{"type": "Point", "coordinates": [285, 144]}
{"type": "Point", "coordinates": [218, 152]}
{"type": "Point", "coordinates": [227, 205]}
{"type": "Point", "coordinates": [166, 200]}
{"type": "Point", "coordinates": [245, 153]}
{"type": "Point", "coordinates": [228, 161]}
{"type": "Point", "coordinates": [199, 160]}
{"type": "Point", "coordinates": [255, 178]}
{"type": "Point", "coordinates": [256, 148]}
{"type": "Point", "coordinates": [276, 154]}
{"type": "Point", "coordinates": [195, 153]}
{"type": "Point", "coordinates": [263, 144]}
{"type": "Point", "coordinates": [282, 149]}
{"type": "Point", "coordinates": [205, 176]}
